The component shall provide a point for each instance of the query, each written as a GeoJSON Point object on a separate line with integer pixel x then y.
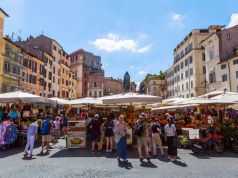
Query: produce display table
{"type": "Point", "coordinates": [76, 134]}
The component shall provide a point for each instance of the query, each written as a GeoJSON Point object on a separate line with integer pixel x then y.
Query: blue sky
{"type": "Point", "coordinates": [137, 36]}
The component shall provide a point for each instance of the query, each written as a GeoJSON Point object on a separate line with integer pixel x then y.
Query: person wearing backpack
{"type": "Point", "coordinates": [156, 140]}
{"type": "Point", "coordinates": [46, 130]}
{"type": "Point", "coordinates": [141, 131]}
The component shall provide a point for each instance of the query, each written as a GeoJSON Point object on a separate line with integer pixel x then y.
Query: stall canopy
{"type": "Point", "coordinates": [214, 93]}
{"type": "Point", "coordinates": [60, 101]}
{"type": "Point", "coordinates": [86, 101]}
{"type": "Point", "coordinates": [228, 96]}
{"type": "Point", "coordinates": [173, 107]}
{"type": "Point", "coordinates": [129, 98]}
{"type": "Point", "coordinates": [207, 101]}
{"type": "Point", "coordinates": [12, 97]}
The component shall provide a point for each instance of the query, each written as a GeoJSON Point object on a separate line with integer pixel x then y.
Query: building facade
{"type": "Point", "coordinates": [157, 87]}
{"type": "Point", "coordinates": [32, 80]}
{"type": "Point", "coordinates": [221, 56]}
{"type": "Point", "coordinates": [189, 61]}
{"type": "Point", "coordinates": [112, 86]}
{"type": "Point", "coordinates": [170, 82]}
{"type": "Point", "coordinates": [89, 73]}
{"type": "Point", "coordinates": [132, 87]}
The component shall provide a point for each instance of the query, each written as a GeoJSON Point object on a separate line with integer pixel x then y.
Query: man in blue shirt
{"type": "Point", "coordinates": [31, 137]}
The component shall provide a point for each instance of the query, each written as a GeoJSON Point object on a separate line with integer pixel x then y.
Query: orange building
{"type": "Point", "coordinates": [33, 75]}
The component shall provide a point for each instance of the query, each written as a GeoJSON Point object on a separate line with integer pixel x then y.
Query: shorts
{"type": "Point", "coordinates": [56, 132]}
{"type": "Point", "coordinates": [95, 138]}
{"type": "Point", "coordinates": [46, 138]}
{"type": "Point", "coordinates": [142, 141]}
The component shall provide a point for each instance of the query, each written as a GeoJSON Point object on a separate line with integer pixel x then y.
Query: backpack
{"type": "Point", "coordinates": [45, 127]}
{"type": "Point", "coordinates": [139, 129]}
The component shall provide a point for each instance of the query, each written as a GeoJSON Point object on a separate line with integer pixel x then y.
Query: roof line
{"type": "Point", "coordinates": [4, 12]}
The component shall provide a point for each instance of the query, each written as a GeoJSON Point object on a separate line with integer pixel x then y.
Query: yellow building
{"type": "Point", "coordinates": [10, 66]}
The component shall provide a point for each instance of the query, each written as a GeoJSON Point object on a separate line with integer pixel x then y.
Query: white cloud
{"type": "Point", "coordinates": [233, 20]}
{"type": "Point", "coordinates": [142, 72]}
{"type": "Point", "coordinates": [113, 42]}
{"type": "Point", "coordinates": [177, 19]}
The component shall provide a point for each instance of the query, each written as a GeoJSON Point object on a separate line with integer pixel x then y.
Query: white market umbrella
{"type": "Point", "coordinates": [12, 97]}
{"type": "Point", "coordinates": [207, 101]}
{"type": "Point", "coordinates": [86, 101]}
{"type": "Point", "coordinates": [60, 101]}
{"type": "Point", "coordinates": [129, 98]}
{"type": "Point", "coordinates": [213, 94]}
{"type": "Point", "coordinates": [173, 107]}
{"type": "Point", "coordinates": [229, 96]}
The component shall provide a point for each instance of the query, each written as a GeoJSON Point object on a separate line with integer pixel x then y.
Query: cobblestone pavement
{"type": "Point", "coordinates": [64, 163]}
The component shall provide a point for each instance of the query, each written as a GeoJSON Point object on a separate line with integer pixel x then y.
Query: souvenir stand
{"type": "Point", "coordinates": [19, 113]}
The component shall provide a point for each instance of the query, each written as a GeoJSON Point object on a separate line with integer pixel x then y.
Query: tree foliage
{"type": "Point", "coordinates": [148, 77]}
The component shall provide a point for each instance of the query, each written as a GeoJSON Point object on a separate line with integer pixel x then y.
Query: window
{"type": "Point", "coordinates": [192, 95]}
{"type": "Point", "coordinates": [67, 83]}
{"type": "Point", "coordinates": [186, 62]}
{"type": "Point", "coordinates": [95, 93]}
{"type": "Point", "coordinates": [224, 77]}
{"type": "Point", "coordinates": [53, 70]}
{"type": "Point", "coordinates": [90, 93]}
{"type": "Point", "coordinates": [67, 94]}
{"type": "Point", "coordinates": [211, 53]}
{"type": "Point", "coordinates": [182, 87]}
{"type": "Point", "coordinates": [59, 52]}
{"type": "Point", "coordinates": [212, 77]}
{"type": "Point", "coordinates": [53, 79]}
{"type": "Point", "coordinates": [191, 84]}
{"type": "Point", "coordinates": [63, 81]}
{"type": "Point", "coordinates": [69, 74]}
{"type": "Point", "coordinates": [181, 76]}
{"type": "Point", "coordinates": [228, 36]}
{"type": "Point", "coordinates": [186, 73]}
{"type": "Point", "coordinates": [191, 59]}
{"type": "Point", "coordinates": [235, 62]}
{"type": "Point", "coordinates": [63, 70]}
{"type": "Point", "coordinates": [203, 57]}
{"type": "Point", "coordinates": [50, 75]}
{"type": "Point", "coordinates": [187, 85]}
{"type": "Point", "coordinates": [223, 66]}
{"type": "Point", "coordinates": [59, 72]}
{"type": "Point", "coordinates": [191, 71]}
{"type": "Point", "coordinates": [63, 94]}
{"type": "Point", "coordinates": [181, 65]}
{"type": "Point", "coordinates": [54, 47]}
{"type": "Point", "coordinates": [237, 74]}
{"type": "Point", "coordinates": [95, 84]}
{"type": "Point", "coordinates": [204, 69]}
{"type": "Point", "coordinates": [100, 94]}
{"type": "Point", "coordinates": [53, 93]}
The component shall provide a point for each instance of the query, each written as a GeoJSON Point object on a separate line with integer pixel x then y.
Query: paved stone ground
{"type": "Point", "coordinates": [64, 163]}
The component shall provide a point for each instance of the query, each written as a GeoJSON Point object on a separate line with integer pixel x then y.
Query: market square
{"type": "Point", "coordinates": [118, 89]}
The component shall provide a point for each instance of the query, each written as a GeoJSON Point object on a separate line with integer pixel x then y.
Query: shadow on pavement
{"type": "Point", "coordinates": [43, 154]}
{"type": "Point", "coordinates": [179, 163]}
{"type": "Point", "coordinates": [215, 155]}
{"type": "Point", "coordinates": [148, 164]}
{"type": "Point", "coordinates": [28, 158]}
